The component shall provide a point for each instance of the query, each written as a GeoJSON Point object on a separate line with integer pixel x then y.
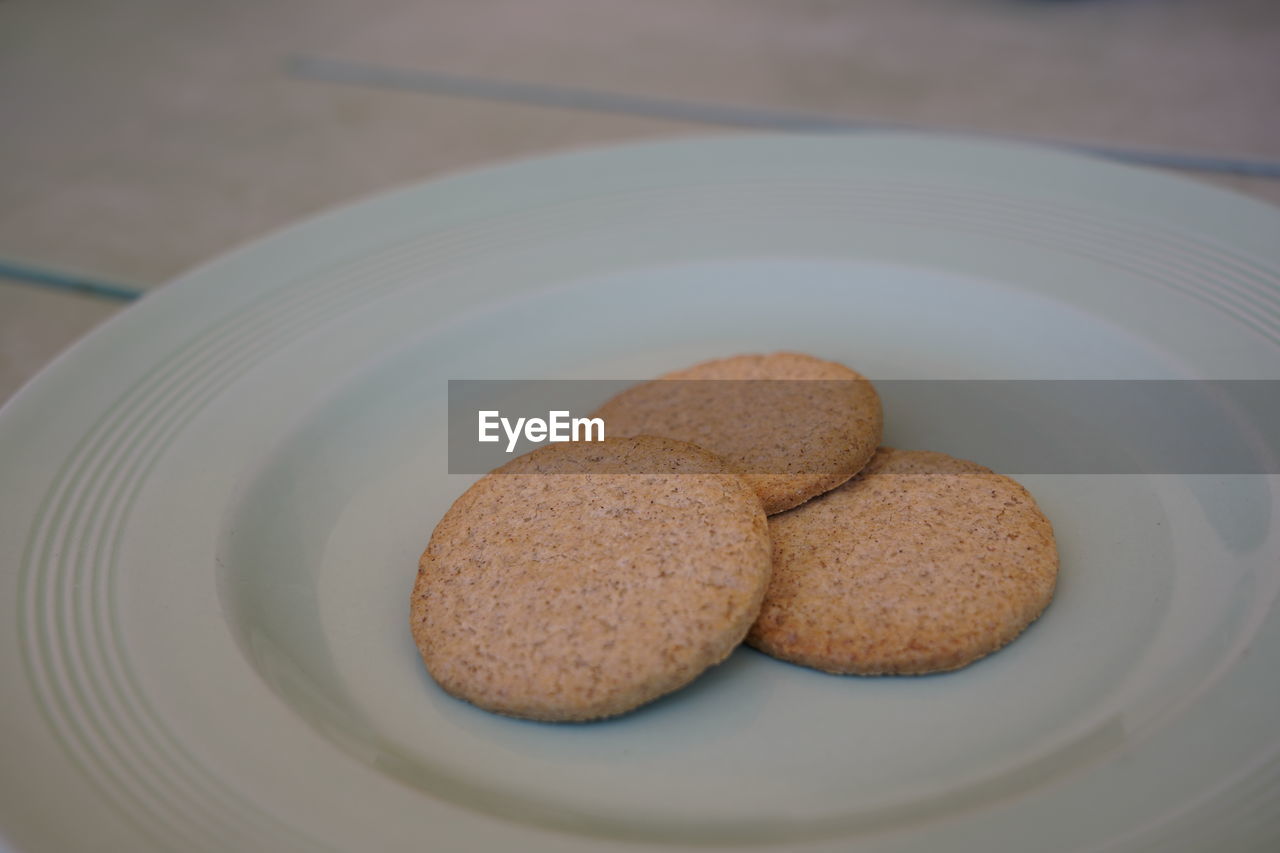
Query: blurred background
{"type": "Point", "coordinates": [139, 138]}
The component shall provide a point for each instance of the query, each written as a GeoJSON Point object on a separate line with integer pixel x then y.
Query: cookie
{"type": "Point", "coordinates": [921, 563]}
{"type": "Point", "coordinates": [585, 579]}
{"type": "Point", "coordinates": [796, 427]}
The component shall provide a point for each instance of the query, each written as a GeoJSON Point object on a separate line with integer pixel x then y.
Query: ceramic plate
{"type": "Point", "coordinates": [212, 508]}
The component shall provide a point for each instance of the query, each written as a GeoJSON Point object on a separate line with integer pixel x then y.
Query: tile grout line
{"type": "Point", "coordinates": [72, 282]}
{"type": "Point", "coordinates": [594, 100]}
{"type": "Point", "coordinates": [565, 97]}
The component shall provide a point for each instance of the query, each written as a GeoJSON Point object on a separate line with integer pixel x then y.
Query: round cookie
{"type": "Point", "coordinates": [584, 579]}
{"type": "Point", "coordinates": [797, 427]}
{"type": "Point", "coordinates": [921, 563]}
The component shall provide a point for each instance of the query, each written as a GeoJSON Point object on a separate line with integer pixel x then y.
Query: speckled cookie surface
{"type": "Point", "coordinates": [554, 594]}
{"type": "Point", "coordinates": [794, 426]}
{"type": "Point", "coordinates": [921, 563]}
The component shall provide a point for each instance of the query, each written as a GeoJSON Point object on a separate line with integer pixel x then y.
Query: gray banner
{"type": "Point", "coordinates": [1010, 426]}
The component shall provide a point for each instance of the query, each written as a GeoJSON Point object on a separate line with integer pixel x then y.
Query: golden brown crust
{"type": "Point", "coordinates": [553, 594]}
{"type": "Point", "coordinates": [922, 563]}
{"type": "Point", "coordinates": [802, 428]}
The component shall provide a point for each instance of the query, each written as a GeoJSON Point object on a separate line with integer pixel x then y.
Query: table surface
{"type": "Point", "coordinates": [144, 137]}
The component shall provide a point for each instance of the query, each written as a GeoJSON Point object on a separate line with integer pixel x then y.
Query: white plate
{"type": "Point", "coordinates": [211, 511]}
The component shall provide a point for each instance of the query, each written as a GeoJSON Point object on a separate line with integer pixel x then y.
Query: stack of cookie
{"type": "Point", "coordinates": [585, 579]}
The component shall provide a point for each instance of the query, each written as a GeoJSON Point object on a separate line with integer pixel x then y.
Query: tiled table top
{"type": "Point", "coordinates": [142, 137]}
